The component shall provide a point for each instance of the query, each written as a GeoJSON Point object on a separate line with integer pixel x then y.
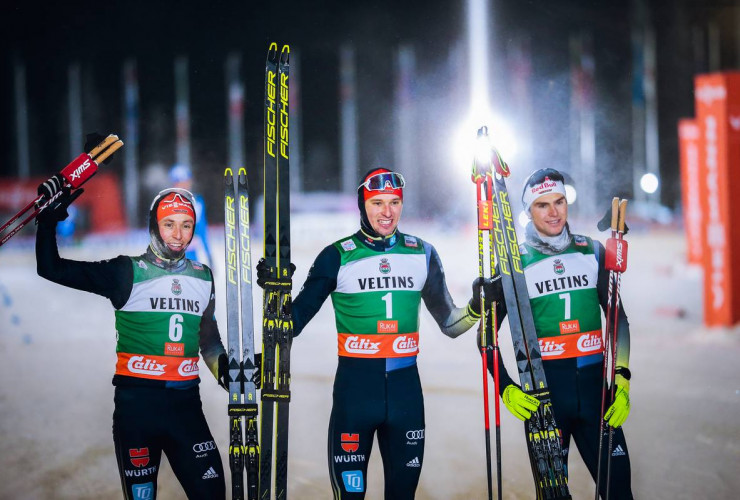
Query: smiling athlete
{"type": "Point", "coordinates": [567, 283]}
{"type": "Point", "coordinates": [164, 307]}
{"type": "Point", "coordinates": [377, 279]}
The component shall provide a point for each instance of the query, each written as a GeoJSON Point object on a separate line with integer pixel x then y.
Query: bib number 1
{"type": "Point", "coordinates": [388, 299]}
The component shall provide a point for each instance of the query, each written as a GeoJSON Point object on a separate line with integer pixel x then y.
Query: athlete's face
{"type": "Point", "coordinates": [176, 231]}
{"type": "Point", "coordinates": [384, 212]}
{"type": "Point", "coordinates": [549, 214]}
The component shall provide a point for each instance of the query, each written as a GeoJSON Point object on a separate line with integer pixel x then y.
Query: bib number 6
{"type": "Point", "coordinates": [176, 327]}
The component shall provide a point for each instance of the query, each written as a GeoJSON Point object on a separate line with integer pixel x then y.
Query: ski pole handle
{"type": "Point", "coordinates": [616, 248]}
{"type": "Point", "coordinates": [622, 214]}
{"type": "Point", "coordinates": [615, 214]}
{"type": "Point", "coordinates": [85, 166]}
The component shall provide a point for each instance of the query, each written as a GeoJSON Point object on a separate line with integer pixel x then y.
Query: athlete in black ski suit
{"type": "Point", "coordinates": [164, 314]}
{"type": "Point", "coordinates": [567, 282]}
{"type": "Point", "coordinates": [377, 278]}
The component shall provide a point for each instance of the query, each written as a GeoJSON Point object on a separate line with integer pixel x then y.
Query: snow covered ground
{"type": "Point", "coordinates": [57, 359]}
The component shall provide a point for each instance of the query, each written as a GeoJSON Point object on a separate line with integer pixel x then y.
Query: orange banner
{"type": "Point", "coordinates": [378, 346]}
{"type": "Point", "coordinates": [156, 367]}
{"type": "Point", "coordinates": [688, 139]}
{"type": "Point", "coordinates": [718, 116]}
{"type": "Point", "coordinates": [574, 345]}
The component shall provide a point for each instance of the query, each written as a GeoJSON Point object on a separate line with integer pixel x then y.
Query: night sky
{"type": "Point", "coordinates": [101, 35]}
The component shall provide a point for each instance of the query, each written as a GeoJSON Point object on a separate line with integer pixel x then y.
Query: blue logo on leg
{"type": "Point", "coordinates": [143, 491]}
{"type": "Point", "coordinates": [353, 481]}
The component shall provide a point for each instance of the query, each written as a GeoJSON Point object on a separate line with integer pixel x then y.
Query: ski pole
{"type": "Point", "coordinates": [480, 179]}
{"type": "Point", "coordinates": [496, 388]}
{"type": "Point", "coordinates": [74, 175]}
{"type": "Point", "coordinates": [620, 263]}
{"type": "Point", "coordinates": [615, 261]}
{"type": "Point", "coordinates": [607, 346]}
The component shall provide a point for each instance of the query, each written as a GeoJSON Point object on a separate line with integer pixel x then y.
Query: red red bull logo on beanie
{"type": "Point", "coordinates": [544, 188]}
{"type": "Point", "coordinates": [547, 185]}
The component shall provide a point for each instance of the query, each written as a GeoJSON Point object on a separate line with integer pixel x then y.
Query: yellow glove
{"type": "Point", "coordinates": [521, 405]}
{"type": "Point", "coordinates": [620, 408]}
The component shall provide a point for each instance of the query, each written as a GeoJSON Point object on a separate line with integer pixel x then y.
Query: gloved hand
{"type": "Point", "coordinates": [51, 186]}
{"type": "Point", "coordinates": [521, 405]}
{"type": "Point", "coordinates": [606, 221]}
{"type": "Point", "coordinates": [492, 289]}
{"type": "Point", "coordinates": [257, 373]}
{"type": "Point", "coordinates": [57, 210]}
{"type": "Point", "coordinates": [619, 410]}
{"type": "Point", "coordinates": [223, 372]}
{"type": "Point", "coordinates": [264, 272]}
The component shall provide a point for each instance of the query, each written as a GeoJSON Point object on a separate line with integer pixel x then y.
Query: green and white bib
{"type": "Point", "coordinates": [564, 299]}
{"type": "Point", "coordinates": [158, 327]}
{"type": "Point", "coordinates": [377, 298]}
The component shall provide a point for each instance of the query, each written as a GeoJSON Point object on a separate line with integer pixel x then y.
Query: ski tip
{"type": "Point", "coordinates": [285, 54]}
{"type": "Point", "coordinates": [502, 168]}
{"type": "Point", "coordinates": [228, 172]}
{"type": "Point", "coordinates": [272, 52]}
{"type": "Point", "coordinates": [242, 171]}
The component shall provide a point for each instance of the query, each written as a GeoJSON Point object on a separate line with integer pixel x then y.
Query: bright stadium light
{"type": "Point", "coordinates": [483, 148]}
{"type": "Point", "coordinates": [523, 219]}
{"type": "Point", "coordinates": [466, 145]}
{"type": "Point", "coordinates": [649, 183]}
{"type": "Point", "coordinates": [570, 194]}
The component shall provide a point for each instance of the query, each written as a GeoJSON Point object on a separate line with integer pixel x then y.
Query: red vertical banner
{"type": "Point", "coordinates": [691, 184]}
{"type": "Point", "coordinates": [718, 117]}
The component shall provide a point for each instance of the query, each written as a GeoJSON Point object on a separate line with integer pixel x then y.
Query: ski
{"type": "Point", "coordinates": [277, 324]}
{"type": "Point", "coordinates": [285, 323]}
{"type": "Point", "coordinates": [543, 436]}
{"type": "Point", "coordinates": [242, 407]}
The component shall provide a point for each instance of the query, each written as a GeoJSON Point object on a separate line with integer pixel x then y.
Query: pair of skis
{"type": "Point", "coordinates": [242, 407]}
{"type": "Point", "coordinates": [615, 261]}
{"type": "Point", "coordinates": [544, 438]}
{"type": "Point", "coordinates": [277, 326]}
{"type": "Point", "coordinates": [71, 177]}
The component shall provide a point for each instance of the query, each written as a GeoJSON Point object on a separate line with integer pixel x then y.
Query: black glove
{"type": "Point", "coordinates": [606, 221]}
{"type": "Point", "coordinates": [264, 272]}
{"type": "Point", "coordinates": [257, 373]}
{"type": "Point", "coordinates": [57, 210]}
{"type": "Point", "coordinates": [223, 372]}
{"type": "Point", "coordinates": [492, 290]}
{"type": "Point", "coordinates": [92, 140]}
{"type": "Point", "coordinates": [50, 187]}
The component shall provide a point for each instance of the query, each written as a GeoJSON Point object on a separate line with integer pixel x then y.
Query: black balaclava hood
{"type": "Point", "coordinates": [156, 243]}
{"type": "Point", "coordinates": [365, 225]}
